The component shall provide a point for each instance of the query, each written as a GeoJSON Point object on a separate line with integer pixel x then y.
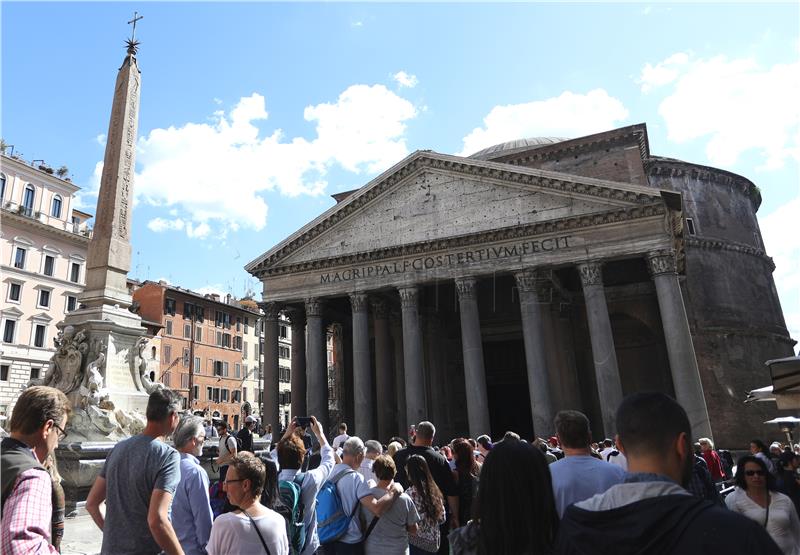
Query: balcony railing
{"type": "Point", "coordinates": [42, 217]}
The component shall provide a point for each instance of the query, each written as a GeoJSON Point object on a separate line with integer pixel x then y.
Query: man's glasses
{"type": "Point", "coordinates": [754, 473]}
{"type": "Point", "coordinates": [61, 432]}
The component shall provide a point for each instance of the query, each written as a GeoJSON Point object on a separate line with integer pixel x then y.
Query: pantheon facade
{"type": "Point", "coordinates": [485, 293]}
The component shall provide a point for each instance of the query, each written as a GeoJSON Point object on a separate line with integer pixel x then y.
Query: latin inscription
{"type": "Point", "coordinates": [455, 259]}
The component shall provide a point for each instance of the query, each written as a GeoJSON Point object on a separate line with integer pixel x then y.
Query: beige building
{"type": "Point", "coordinates": [43, 244]}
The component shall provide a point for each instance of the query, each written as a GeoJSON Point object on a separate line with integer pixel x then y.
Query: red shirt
{"type": "Point", "coordinates": [714, 465]}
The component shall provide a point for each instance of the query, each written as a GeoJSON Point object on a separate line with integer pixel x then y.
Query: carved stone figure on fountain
{"type": "Point", "coordinates": [139, 369]}
{"type": "Point", "coordinates": [92, 390]}
{"type": "Point", "coordinates": [65, 369]}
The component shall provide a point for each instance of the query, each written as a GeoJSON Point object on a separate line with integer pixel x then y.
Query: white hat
{"type": "Point", "coordinates": [249, 419]}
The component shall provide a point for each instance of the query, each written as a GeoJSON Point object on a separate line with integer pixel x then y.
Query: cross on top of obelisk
{"type": "Point", "coordinates": [132, 43]}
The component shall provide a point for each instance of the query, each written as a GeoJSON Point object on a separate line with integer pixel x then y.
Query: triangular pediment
{"type": "Point", "coordinates": [434, 197]}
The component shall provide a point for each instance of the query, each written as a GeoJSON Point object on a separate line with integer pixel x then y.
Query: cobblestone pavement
{"type": "Point", "coordinates": [81, 536]}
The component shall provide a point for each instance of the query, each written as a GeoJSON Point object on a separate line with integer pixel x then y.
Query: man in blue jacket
{"type": "Point", "coordinates": [650, 512]}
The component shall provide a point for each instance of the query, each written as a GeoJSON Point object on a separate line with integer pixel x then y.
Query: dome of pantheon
{"type": "Point", "coordinates": [517, 145]}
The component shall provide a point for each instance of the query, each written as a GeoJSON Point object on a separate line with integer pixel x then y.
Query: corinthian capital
{"type": "Point", "coordinates": [380, 309]}
{"type": "Point", "coordinates": [408, 296]}
{"type": "Point", "coordinates": [297, 317]}
{"type": "Point", "coordinates": [661, 262]}
{"type": "Point", "coordinates": [270, 309]}
{"type": "Point", "coordinates": [534, 282]}
{"type": "Point", "coordinates": [466, 288]}
{"type": "Point", "coordinates": [358, 301]}
{"type": "Point", "coordinates": [314, 307]}
{"type": "Point", "coordinates": [591, 273]}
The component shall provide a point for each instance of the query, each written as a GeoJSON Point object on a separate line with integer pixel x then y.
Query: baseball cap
{"type": "Point", "coordinates": [249, 419]}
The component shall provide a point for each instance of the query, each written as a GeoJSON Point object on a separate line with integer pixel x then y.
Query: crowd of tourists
{"type": "Point", "coordinates": [650, 490]}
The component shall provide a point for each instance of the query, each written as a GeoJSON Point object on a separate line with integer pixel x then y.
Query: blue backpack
{"type": "Point", "coordinates": [332, 521]}
{"type": "Point", "coordinates": [291, 509]}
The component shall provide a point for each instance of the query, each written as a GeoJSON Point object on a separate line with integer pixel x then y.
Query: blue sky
{"type": "Point", "coordinates": [252, 114]}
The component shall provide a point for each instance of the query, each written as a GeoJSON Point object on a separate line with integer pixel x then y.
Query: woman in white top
{"type": "Point", "coordinates": [755, 497]}
{"type": "Point", "coordinates": [252, 526]}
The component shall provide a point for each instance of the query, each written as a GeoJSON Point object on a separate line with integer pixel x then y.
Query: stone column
{"type": "Point", "coordinates": [472, 345]}
{"type": "Point", "coordinates": [316, 363]}
{"type": "Point", "coordinates": [412, 356]}
{"type": "Point", "coordinates": [270, 413]}
{"type": "Point", "coordinates": [609, 386]}
{"type": "Point", "coordinates": [532, 299]}
{"type": "Point", "coordinates": [401, 426]}
{"type": "Point", "coordinates": [362, 372]}
{"type": "Point", "coordinates": [384, 379]}
{"type": "Point", "coordinates": [297, 318]}
{"type": "Point", "coordinates": [680, 349]}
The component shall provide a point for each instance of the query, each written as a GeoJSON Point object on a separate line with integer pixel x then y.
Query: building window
{"type": "Point", "coordinates": [75, 272]}
{"type": "Point", "coordinates": [244, 350]}
{"type": "Point", "coordinates": [44, 298]}
{"type": "Point", "coordinates": [14, 292]}
{"type": "Point", "coordinates": [282, 333]}
{"type": "Point", "coordinates": [169, 307]}
{"type": "Point", "coordinates": [55, 210]}
{"type": "Point", "coordinates": [4, 372]}
{"type": "Point", "coordinates": [27, 200]}
{"type": "Point", "coordinates": [2, 186]}
{"type": "Point", "coordinates": [19, 258]}
{"type": "Point", "coordinates": [224, 369]}
{"type": "Point", "coordinates": [244, 394]}
{"type": "Point", "coordinates": [283, 352]}
{"type": "Point", "coordinates": [226, 340]}
{"type": "Point", "coordinates": [153, 353]}
{"type": "Point", "coordinates": [167, 353]}
{"type": "Point", "coordinates": [196, 368]}
{"type": "Point", "coordinates": [168, 329]}
{"type": "Point", "coordinates": [186, 357]}
{"type": "Point", "coordinates": [184, 381]}
{"type": "Point", "coordinates": [284, 374]}
{"type": "Point", "coordinates": [195, 392]}
{"type": "Point", "coordinates": [215, 395]}
{"type": "Point", "coordinates": [35, 372]}
{"type": "Point", "coordinates": [198, 336]}
{"type": "Point", "coordinates": [49, 264]}
{"type": "Point", "coordinates": [219, 339]}
{"type": "Point", "coordinates": [238, 324]}
{"type": "Point", "coordinates": [224, 397]}
{"type": "Point", "coordinates": [218, 368]}
{"type": "Point", "coordinates": [237, 370]}
{"type": "Point", "coordinates": [690, 226]}
{"type": "Point", "coordinates": [165, 378]}
{"type": "Point", "coordinates": [39, 333]}
{"type": "Point", "coordinates": [72, 302]}
{"type": "Point", "coordinates": [187, 331]}
{"type": "Point", "coordinates": [209, 393]}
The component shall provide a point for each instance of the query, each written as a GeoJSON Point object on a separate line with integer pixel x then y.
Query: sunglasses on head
{"type": "Point", "coordinates": [754, 473]}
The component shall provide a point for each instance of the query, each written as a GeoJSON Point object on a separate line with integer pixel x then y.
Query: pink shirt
{"type": "Point", "coordinates": [26, 516]}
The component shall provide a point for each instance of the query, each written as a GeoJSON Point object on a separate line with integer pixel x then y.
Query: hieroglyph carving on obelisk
{"type": "Point", "coordinates": [109, 257]}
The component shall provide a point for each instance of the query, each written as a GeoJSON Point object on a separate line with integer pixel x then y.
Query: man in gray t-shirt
{"type": "Point", "coordinates": [137, 483]}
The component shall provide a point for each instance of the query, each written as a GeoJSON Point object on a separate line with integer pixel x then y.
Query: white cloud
{"type": "Point", "coordinates": [216, 173]}
{"type": "Point", "coordinates": [737, 105]}
{"type": "Point", "coordinates": [663, 72]}
{"type": "Point", "coordinates": [159, 225]}
{"type": "Point", "coordinates": [405, 79]}
{"type": "Point", "coordinates": [101, 139]}
{"type": "Point", "coordinates": [357, 24]}
{"type": "Point", "coordinates": [778, 229]}
{"type": "Point", "coordinates": [567, 115]}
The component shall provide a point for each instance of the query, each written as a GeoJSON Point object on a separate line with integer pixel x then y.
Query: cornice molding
{"type": "Point", "coordinates": [719, 244]}
{"type": "Point", "coordinates": [559, 150]}
{"type": "Point", "coordinates": [63, 234]}
{"type": "Point", "coordinates": [667, 167]}
{"type": "Point", "coordinates": [479, 169]}
{"type": "Point", "coordinates": [495, 235]}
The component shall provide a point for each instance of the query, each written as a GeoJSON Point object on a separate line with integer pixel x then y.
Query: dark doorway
{"type": "Point", "coordinates": [641, 356]}
{"type": "Point", "coordinates": [507, 388]}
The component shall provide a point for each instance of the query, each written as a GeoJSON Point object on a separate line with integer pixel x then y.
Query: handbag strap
{"type": "Point", "coordinates": [372, 524]}
{"type": "Point", "coordinates": [766, 520]}
{"type": "Point", "coordinates": [260, 537]}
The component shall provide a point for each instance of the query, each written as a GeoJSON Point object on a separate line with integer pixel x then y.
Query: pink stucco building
{"type": "Point", "coordinates": [43, 245]}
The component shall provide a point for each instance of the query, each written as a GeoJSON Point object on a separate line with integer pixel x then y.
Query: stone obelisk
{"type": "Point", "coordinates": [103, 314]}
